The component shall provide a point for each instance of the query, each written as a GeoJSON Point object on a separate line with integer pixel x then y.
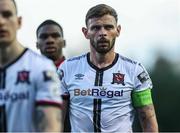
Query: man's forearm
{"type": "Point", "coordinates": [148, 119]}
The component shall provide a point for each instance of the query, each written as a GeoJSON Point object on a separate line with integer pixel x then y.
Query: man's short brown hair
{"type": "Point", "coordinates": [99, 11]}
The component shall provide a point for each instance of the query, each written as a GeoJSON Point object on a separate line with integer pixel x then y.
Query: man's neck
{"type": "Point", "coordinates": [102, 60]}
{"type": "Point", "coordinates": [10, 53]}
{"type": "Point", "coordinates": [59, 61]}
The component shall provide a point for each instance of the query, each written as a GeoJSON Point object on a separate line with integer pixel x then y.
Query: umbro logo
{"type": "Point", "coordinates": [79, 76]}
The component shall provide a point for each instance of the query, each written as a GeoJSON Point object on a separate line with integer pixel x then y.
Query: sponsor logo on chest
{"type": "Point", "coordinates": [13, 96]}
{"type": "Point", "coordinates": [98, 92]}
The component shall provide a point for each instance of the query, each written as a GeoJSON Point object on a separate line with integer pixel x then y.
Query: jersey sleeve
{"type": "Point", "coordinates": [62, 73]}
{"type": "Point", "coordinates": [48, 89]}
{"type": "Point", "coordinates": [142, 79]}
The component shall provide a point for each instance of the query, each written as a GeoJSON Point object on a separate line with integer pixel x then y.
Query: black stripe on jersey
{"type": "Point", "coordinates": [96, 79]}
{"type": "Point", "coordinates": [3, 120]}
{"type": "Point", "coordinates": [99, 78]}
{"type": "Point", "coordinates": [2, 79]}
{"type": "Point", "coordinates": [3, 125]}
{"type": "Point", "coordinates": [97, 115]}
{"type": "Point", "coordinates": [99, 82]}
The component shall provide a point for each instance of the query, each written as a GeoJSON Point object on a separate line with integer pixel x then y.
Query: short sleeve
{"type": "Point", "coordinates": [48, 86]}
{"type": "Point", "coordinates": [62, 76]}
{"type": "Point", "coordinates": [142, 79]}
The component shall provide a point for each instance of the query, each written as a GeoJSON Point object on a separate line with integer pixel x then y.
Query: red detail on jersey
{"type": "Point", "coordinates": [49, 103]}
{"type": "Point", "coordinates": [58, 63]}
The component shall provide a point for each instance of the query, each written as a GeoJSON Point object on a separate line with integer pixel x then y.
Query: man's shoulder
{"type": "Point", "coordinates": [36, 56]}
{"type": "Point", "coordinates": [74, 62]}
{"type": "Point", "coordinates": [131, 64]}
{"type": "Point", "coordinates": [77, 58]}
{"type": "Point", "coordinates": [127, 60]}
{"type": "Point", "coordinates": [37, 59]}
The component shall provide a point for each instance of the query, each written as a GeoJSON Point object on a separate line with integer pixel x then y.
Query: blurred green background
{"type": "Point", "coordinates": [166, 95]}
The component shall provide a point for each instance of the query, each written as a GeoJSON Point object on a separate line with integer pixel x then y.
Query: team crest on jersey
{"type": "Point", "coordinates": [118, 78]}
{"type": "Point", "coordinates": [23, 77]}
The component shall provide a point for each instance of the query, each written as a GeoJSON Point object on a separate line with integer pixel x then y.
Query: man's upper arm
{"type": "Point", "coordinates": [142, 100]}
{"type": "Point", "coordinates": [48, 102]}
{"type": "Point", "coordinates": [47, 118]}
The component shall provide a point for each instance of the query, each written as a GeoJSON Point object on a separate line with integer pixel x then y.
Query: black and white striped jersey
{"type": "Point", "coordinates": [100, 99]}
{"type": "Point", "coordinates": [28, 81]}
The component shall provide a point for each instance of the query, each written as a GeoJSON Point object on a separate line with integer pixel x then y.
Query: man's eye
{"type": "Point", "coordinates": [95, 28]}
{"type": "Point", "coordinates": [7, 14]}
{"type": "Point", "coordinates": [55, 35]}
{"type": "Point", "coordinates": [43, 36]}
{"type": "Point", "coordinates": [109, 27]}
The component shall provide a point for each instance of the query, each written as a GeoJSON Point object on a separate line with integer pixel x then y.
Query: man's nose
{"type": "Point", "coordinates": [2, 20]}
{"type": "Point", "coordinates": [50, 40]}
{"type": "Point", "coordinates": [102, 32]}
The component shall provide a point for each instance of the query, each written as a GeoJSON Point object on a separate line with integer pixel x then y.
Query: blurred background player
{"type": "Point", "coordinates": [29, 85]}
{"type": "Point", "coordinates": [50, 42]}
{"type": "Point", "coordinates": [105, 87]}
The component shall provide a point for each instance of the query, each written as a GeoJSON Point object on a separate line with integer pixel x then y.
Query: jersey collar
{"type": "Point", "coordinates": [58, 63]}
{"type": "Point", "coordinates": [105, 68]}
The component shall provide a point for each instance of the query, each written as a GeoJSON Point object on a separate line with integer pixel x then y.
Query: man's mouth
{"type": "Point", "coordinates": [3, 33]}
{"type": "Point", "coordinates": [103, 43]}
{"type": "Point", "coordinates": [50, 49]}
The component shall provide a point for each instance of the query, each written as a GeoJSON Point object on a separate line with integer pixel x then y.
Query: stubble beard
{"type": "Point", "coordinates": [100, 50]}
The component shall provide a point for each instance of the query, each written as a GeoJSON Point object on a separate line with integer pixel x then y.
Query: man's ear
{"type": "Point", "coordinates": [118, 30]}
{"type": "Point", "coordinates": [85, 32]}
{"type": "Point", "coordinates": [37, 45]}
{"type": "Point", "coordinates": [64, 41]}
{"type": "Point", "coordinates": [19, 22]}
